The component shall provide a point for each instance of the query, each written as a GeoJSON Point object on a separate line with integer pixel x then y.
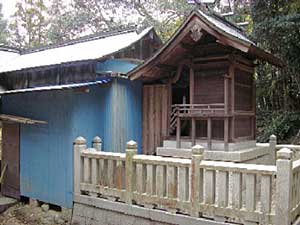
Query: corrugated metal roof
{"type": "Point", "coordinates": [57, 87]}
{"type": "Point", "coordinates": [85, 50]}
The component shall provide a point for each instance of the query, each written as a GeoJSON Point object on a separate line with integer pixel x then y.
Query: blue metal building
{"type": "Point", "coordinates": [108, 105]}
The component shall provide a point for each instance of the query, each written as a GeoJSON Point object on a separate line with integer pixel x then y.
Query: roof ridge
{"type": "Point", "coordinates": [86, 38]}
{"type": "Point", "coordinates": [8, 48]}
{"type": "Point", "coordinates": [227, 22]}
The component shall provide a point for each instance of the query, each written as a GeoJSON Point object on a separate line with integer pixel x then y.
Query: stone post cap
{"type": "Point", "coordinates": [131, 145]}
{"type": "Point", "coordinates": [273, 137]}
{"type": "Point", "coordinates": [97, 139]}
{"type": "Point", "coordinates": [197, 150]}
{"type": "Point", "coordinates": [285, 153]}
{"type": "Point", "coordinates": [80, 141]}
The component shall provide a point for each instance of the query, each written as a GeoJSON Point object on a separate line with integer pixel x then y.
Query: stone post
{"type": "Point", "coordinates": [131, 151]}
{"type": "Point", "coordinates": [196, 179]}
{"type": "Point", "coordinates": [272, 146]}
{"type": "Point", "coordinates": [97, 144]}
{"type": "Point", "coordinates": [78, 146]}
{"type": "Point", "coordinates": [284, 177]}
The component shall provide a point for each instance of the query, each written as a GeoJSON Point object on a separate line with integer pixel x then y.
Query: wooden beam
{"type": "Point", "coordinates": [222, 38]}
{"type": "Point", "coordinates": [243, 67]}
{"type": "Point", "coordinates": [211, 58]}
{"type": "Point", "coordinates": [244, 60]}
{"type": "Point", "coordinates": [166, 67]}
{"type": "Point", "coordinates": [179, 72]}
{"type": "Point", "coordinates": [210, 65]}
{"type": "Point", "coordinates": [176, 42]}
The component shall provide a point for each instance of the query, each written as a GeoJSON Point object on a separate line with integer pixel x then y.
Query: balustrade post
{"type": "Point", "coordinates": [272, 146]}
{"type": "Point", "coordinates": [284, 164]}
{"type": "Point", "coordinates": [131, 151]}
{"type": "Point", "coordinates": [79, 145]}
{"type": "Point", "coordinates": [97, 143]}
{"type": "Point", "coordinates": [196, 179]}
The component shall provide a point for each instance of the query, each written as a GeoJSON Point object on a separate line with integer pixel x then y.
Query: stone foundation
{"type": "Point", "coordinates": [96, 211]}
{"type": "Point", "coordinates": [255, 154]}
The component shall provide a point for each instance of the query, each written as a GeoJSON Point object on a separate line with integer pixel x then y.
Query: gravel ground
{"type": "Point", "coordinates": [22, 214]}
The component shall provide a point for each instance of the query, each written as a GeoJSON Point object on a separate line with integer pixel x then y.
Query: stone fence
{"type": "Point", "coordinates": [222, 191]}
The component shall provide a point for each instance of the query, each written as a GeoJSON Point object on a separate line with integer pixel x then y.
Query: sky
{"type": "Point", "coordinates": [9, 6]}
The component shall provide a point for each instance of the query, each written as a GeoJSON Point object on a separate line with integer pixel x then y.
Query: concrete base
{"type": "Point", "coordinates": [256, 154]}
{"type": "Point", "coordinates": [215, 145]}
{"type": "Point", "coordinates": [96, 211]}
{"type": "Point", "coordinates": [6, 202]}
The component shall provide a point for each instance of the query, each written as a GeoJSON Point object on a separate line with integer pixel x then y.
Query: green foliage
{"type": "Point", "coordinates": [29, 25]}
{"type": "Point", "coordinates": [285, 125]}
{"type": "Point", "coordinates": [3, 28]}
{"type": "Point", "coordinates": [276, 27]}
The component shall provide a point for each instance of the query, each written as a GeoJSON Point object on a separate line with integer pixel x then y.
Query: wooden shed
{"type": "Point", "coordinates": [199, 87]}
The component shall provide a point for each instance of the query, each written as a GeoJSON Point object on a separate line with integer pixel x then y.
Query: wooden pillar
{"type": "Point", "coordinates": [193, 131]}
{"type": "Point", "coordinates": [192, 92]}
{"type": "Point", "coordinates": [253, 109]}
{"type": "Point", "coordinates": [192, 85]}
{"type": "Point", "coordinates": [226, 112]}
{"type": "Point", "coordinates": [209, 133]}
{"type": "Point", "coordinates": [226, 133]}
{"type": "Point", "coordinates": [284, 180]}
{"type": "Point", "coordinates": [131, 151]}
{"type": "Point", "coordinates": [79, 146]}
{"type": "Point", "coordinates": [232, 101]}
{"type": "Point", "coordinates": [196, 179]}
{"type": "Point", "coordinates": [226, 96]}
{"type": "Point", "coordinates": [178, 142]}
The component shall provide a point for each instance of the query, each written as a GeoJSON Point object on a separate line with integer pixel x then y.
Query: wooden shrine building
{"type": "Point", "coordinates": [199, 87]}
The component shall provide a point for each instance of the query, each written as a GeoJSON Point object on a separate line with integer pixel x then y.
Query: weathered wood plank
{"type": "Point", "coordinates": [145, 132]}
{"type": "Point", "coordinates": [183, 183]}
{"type": "Point", "coordinates": [266, 197]}
{"type": "Point", "coordinates": [222, 179]}
{"type": "Point", "coordinates": [160, 181]}
{"type": "Point", "coordinates": [236, 190]}
{"type": "Point", "coordinates": [209, 186]}
{"type": "Point", "coordinates": [250, 192]}
{"type": "Point", "coordinates": [172, 182]}
{"type": "Point", "coordinates": [150, 180]}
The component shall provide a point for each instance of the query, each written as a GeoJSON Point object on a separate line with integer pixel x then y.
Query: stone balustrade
{"type": "Point", "coordinates": [222, 191]}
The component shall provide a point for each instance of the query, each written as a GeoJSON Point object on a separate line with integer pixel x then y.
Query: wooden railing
{"type": "Point", "coordinates": [192, 110]}
{"type": "Point", "coordinates": [225, 191]}
{"type": "Point", "coordinates": [296, 190]}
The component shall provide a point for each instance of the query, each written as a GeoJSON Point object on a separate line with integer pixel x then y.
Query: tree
{"type": "Point", "coordinates": [3, 28]}
{"type": "Point", "coordinates": [29, 24]}
{"type": "Point", "coordinates": [276, 27]}
{"type": "Point", "coordinates": [62, 22]}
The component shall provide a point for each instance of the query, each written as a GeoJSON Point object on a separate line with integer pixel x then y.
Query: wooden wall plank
{"type": "Point", "coordinates": [155, 116]}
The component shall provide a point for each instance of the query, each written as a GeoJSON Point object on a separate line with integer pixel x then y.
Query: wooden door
{"type": "Point", "coordinates": [156, 105]}
{"type": "Point", "coordinates": [11, 158]}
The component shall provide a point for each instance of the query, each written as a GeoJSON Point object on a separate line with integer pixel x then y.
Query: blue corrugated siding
{"type": "Point", "coordinates": [112, 112]}
{"type": "Point", "coordinates": [125, 121]}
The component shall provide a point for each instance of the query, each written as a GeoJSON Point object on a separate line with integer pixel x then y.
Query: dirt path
{"type": "Point", "coordinates": [21, 214]}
